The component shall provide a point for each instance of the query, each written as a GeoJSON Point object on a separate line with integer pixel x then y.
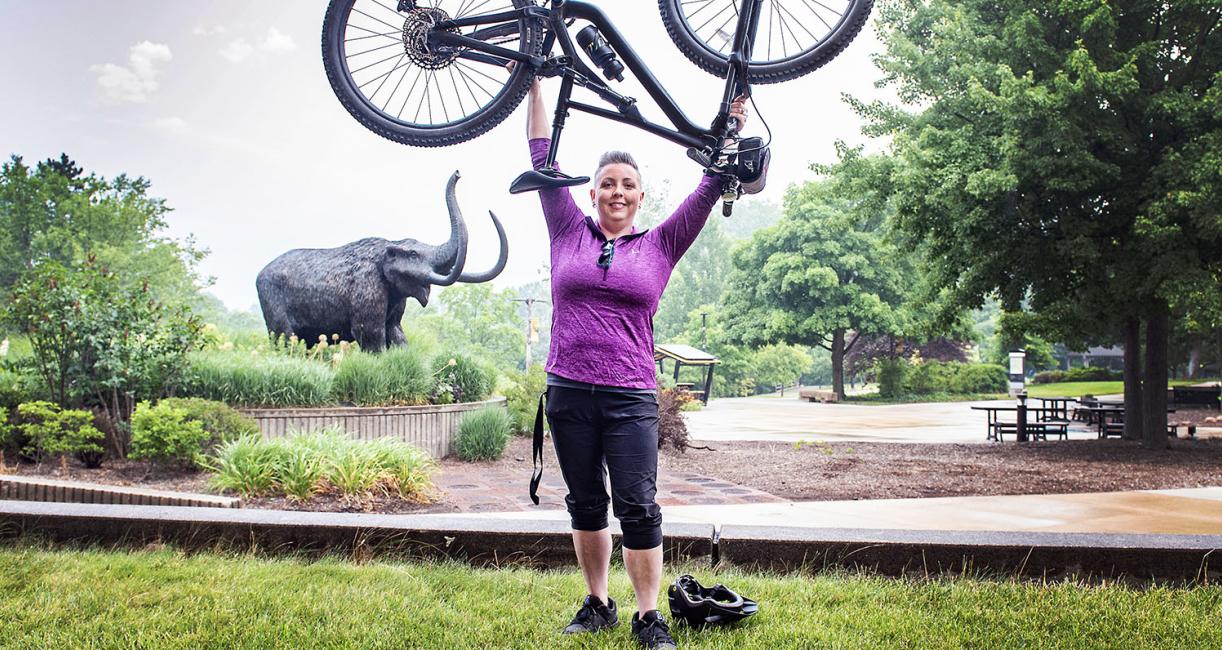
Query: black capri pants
{"type": "Point", "coordinates": [598, 433]}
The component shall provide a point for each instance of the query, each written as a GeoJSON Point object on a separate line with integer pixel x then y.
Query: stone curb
{"type": "Point", "coordinates": [30, 488]}
{"type": "Point", "coordinates": [489, 541]}
{"type": "Point", "coordinates": [480, 541]}
{"type": "Point", "coordinates": [905, 552]}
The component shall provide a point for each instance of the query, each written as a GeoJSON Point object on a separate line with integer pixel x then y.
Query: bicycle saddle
{"type": "Point", "coordinates": [544, 179]}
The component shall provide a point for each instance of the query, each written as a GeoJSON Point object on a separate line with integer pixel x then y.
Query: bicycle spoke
{"type": "Point", "coordinates": [394, 43]}
{"type": "Point", "coordinates": [793, 26]}
{"type": "Point", "coordinates": [419, 73]}
{"type": "Point", "coordinates": [396, 89]}
{"type": "Point", "coordinates": [386, 77]}
{"type": "Point", "coordinates": [358, 11]}
{"type": "Point", "coordinates": [394, 36]}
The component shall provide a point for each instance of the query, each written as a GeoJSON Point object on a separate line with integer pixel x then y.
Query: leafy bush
{"type": "Point", "coordinates": [303, 465]}
{"type": "Point", "coordinates": [980, 378]}
{"type": "Point", "coordinates": [483, 434]}
{"type": "Point", "coordinates": [1093, 374]}
{"type": "Point", "coordinates": [165, 433]}
{"type": "Point", "coordinates": [672, 428]}
{"type": "Point", "coordinates": [522, 397]}
{"type": "Point", "coordinates": [42, 430]}
{"type": "Point", "coordinates": [97, 338]}
{"type": "Point", "coordinates": [461, 378]}
{"type": "Point", "coordinates": [258, 380]}
{"type": "Point", "coordinates": [891, 377]}
{"type": "Point", "coordinates": [359, 380]}
{"type": "Point", "coordinates": [1049, 377]}
{"type": "Point", "coordinates": [221, 422]}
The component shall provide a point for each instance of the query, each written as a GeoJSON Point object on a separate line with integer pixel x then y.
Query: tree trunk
{"type": "Point", "coordinates": [838, 363]}
{"type": "Point", "coordinates": [1133, 395]}
{"type": "Point", "coordinates": [1155, 406]}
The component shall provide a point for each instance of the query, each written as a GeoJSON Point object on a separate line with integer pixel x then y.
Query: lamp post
{"type": "Point", "coordinates": [532, 331]}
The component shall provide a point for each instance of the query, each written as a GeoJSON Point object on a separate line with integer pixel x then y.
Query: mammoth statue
{"type": "Point", "coordinates": [359, 290]}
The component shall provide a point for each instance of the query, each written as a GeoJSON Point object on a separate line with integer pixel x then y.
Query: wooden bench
{"type": "Point", "coordinates": [813, 395]}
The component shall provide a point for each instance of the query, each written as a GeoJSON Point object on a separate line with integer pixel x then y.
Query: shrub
{"type": "Point", "coordinates": [248, 466]}
{"type": "Point", "coordinates": [165, 433]}
{"type": "Point", "coordinates": [1092, 374]}
{"type": "Point", "coordinates": [252, 379]}
{"type": "Point", "coordinates": [980, 378]}
{"type": "Point", "coordinates": [1049, 377]}
{"type": "Point", "coordinates": [220, 421]}
{"type": "Point", "coordinates": [483, 434]}
{"type": "Point", "coordinates": [461, 378]}
{"type": "Point", "coordinates": [522, 398]}
{"type": "Point", "coordinates": [672, 428]}
{"type": "Point", "coordinates": [891, 377]}
{"type": "Point", "coordinates": [305, 464]}
{"type": "Point", "coordinates": [43, 429]}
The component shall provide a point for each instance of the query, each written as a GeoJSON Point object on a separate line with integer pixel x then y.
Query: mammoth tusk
{"type": "Point", "coordinates": [500, 261]}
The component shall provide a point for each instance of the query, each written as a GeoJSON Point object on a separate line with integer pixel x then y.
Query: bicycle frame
{"type": "Point", "coordinates": [574, 71]}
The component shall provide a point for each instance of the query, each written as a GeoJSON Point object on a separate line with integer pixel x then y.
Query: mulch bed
{"type": "Point", "coordinates": [807, 472]}
{"type": "Point", "coordinates": [881, 470]}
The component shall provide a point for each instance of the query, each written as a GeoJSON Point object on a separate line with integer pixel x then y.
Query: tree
{"type": "Point", "coordinates": [1066, 157]}
{"type": "Point", "coordinates": [55, 212]}
{"type": "Point", "coordinates": [476, 319]}
{"type": "Point", "coordinates": [822, 277]}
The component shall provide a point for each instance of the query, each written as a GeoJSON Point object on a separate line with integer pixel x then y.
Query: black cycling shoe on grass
{"type": "Point", "coordinates": [593, 616]}
{"type": "Point", "coordinates": [651, 631]}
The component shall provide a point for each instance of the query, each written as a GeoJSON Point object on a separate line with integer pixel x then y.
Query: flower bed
{"type": "Point", "coordinates": [431, 427]}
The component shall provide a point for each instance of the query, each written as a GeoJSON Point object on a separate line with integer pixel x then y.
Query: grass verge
{"type": "Point", "coordinates": [165, 599]}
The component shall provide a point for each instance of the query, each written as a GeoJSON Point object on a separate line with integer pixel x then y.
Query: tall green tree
{"type": "Point", "coordinates": [475, 319]}
{"type": "Point", "coordinates": [56, 212]}
{"type": "Point", "coordinates": [821, 277]}
{"type": "Point", "coordinates": [1065, 156]}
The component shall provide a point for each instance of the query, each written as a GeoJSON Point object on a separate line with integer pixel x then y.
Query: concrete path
{"type": "Point", "coordinates": [791, 419]}
{"type": "Point", "coordinates": [1184, 511]}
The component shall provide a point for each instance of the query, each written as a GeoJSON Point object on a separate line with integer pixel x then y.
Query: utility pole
{"type": "Point", "coordinates": [532, 328]}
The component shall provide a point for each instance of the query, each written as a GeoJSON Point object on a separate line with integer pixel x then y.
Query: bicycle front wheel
{"type": "Point", "coordinates": [793, 37]}
{"type": "Point", "coordinates": [385, 74]}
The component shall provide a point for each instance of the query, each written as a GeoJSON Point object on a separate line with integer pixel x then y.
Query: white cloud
{"type": "Point", "coordinates": [136, 81]}
{"type": "Point", "coordinates": [277, 42]}
{"type": "Point", "coordinates": [172, 124]}
{"type": "Point", "coordinates": [237, 51]}
{"type": "Point", "coordinates": [200, 30]}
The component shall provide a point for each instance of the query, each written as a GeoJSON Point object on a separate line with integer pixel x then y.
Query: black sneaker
{"type": "Point", "coordinates": [651, 631]}
{"type": "Point", "coordinates": [593, 616]}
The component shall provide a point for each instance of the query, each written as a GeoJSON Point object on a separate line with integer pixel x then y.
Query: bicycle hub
{"type": "Point", "coordinates": [416, 27]}
{"type": "Point", "coordinates": [600, 53]}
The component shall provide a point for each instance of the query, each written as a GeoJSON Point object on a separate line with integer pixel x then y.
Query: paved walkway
{"type": "Point", "coordinates": [791, 419]}
{"type": "Point", "coordinates": [1184, 511]}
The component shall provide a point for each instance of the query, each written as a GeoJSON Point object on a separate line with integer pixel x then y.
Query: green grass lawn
{"type": "Point", "coordinates": [1080, 388]}
{"type": "Point", "coordinates": [164, 599]}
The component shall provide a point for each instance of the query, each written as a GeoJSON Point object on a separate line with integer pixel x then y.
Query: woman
{"type": "Point", "coordinates": [607, 278]}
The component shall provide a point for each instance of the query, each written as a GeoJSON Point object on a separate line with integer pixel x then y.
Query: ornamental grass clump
{"type": "Point", "coordinates": [304, 465]}
{"type": "Point", "coordinates": [483, 434]}
{"type": "Point", "coordinates": [251, 379]}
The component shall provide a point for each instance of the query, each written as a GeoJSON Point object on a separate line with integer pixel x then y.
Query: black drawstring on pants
{"type": "Point", "coordinates": [538, 452]}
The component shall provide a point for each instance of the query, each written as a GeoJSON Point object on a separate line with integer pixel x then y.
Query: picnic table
{"type": "Point", "coordinates": [1058, 405]}
{"type": "Point", "coordinates": [1109, 419]}
{"type": "Point", "coordinates": [1046, 423]}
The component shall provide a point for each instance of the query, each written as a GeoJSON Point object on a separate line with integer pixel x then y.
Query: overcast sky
{"type": "Point", "coordinates": [225, 107]}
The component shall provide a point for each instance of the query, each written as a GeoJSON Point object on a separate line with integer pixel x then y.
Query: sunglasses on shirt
{"type": "Point", "coordinates": [608, 254]}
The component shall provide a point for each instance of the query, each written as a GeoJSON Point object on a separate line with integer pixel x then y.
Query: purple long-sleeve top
{"type": "Point", "coordinates": [602, 319]}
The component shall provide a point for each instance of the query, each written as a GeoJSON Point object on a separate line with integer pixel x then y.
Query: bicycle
{"type": "Point", "coordinates": [462, 50]}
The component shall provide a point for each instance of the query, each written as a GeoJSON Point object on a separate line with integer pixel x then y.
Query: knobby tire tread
{"type": "Point", "coordinates": [716, 65]}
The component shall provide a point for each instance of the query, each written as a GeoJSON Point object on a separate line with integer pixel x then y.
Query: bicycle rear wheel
{"type": "Point", "coordinates": [385, 75]}
{"type": "Point", "coordinates": [794, 37]}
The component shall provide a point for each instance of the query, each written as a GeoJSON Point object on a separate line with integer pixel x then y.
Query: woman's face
{"type": "Point", "coordinates": [617, 194]}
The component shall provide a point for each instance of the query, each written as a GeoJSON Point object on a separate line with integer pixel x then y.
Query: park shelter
{"type": "Point", "coordinates": [686, 355]}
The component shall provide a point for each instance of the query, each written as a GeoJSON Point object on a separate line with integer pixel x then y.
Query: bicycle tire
{"type": "Point", "coordinates": [764, 71]}
{"type": "Point", "coordinates": [348, 90]}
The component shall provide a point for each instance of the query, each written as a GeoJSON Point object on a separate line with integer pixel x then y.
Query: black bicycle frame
{"type": "Point", "coordinates": [574, 70]}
